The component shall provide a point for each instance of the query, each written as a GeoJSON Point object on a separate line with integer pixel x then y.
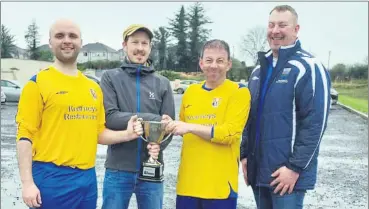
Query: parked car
{"type": "Point", "coordinates": [183, 85]}
{"type": "Point", "coordinates": [12, 90]}
{"type": "Point", "coordinates": [3, 96]}
{"type": "Point", "coordinates": [94, 78]}
{"type": "Point", "coordinates": [334, 96]}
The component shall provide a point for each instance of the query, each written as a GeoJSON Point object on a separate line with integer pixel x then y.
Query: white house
{"type": "Point", "coordinates": [121, 53]}
{"type": "Point", "coordinates": [97, 51]}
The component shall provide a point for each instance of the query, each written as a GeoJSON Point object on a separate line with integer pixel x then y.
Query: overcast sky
{"type": "Point", "coordinates": [339, 27]}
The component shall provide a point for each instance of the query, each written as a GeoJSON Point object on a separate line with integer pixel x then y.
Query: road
{"type": "Point", "coordinates": [342, 173]}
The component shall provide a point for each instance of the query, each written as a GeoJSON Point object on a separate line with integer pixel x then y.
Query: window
{"type": "Point", "coordinates": [185, 83]}
{"type": "Point", "coordinates": [8, 84]}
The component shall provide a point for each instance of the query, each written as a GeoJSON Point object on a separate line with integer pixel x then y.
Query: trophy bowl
{"type": "Point", "coordinates": [153, 132]}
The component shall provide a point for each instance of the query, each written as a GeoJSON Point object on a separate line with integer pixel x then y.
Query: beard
{"type": "Point", "coordinates": [67, 58]}
{"type": "Point", "coordinates": [133, 58]}
{"type": "Point", "coordinates": [137, 52]}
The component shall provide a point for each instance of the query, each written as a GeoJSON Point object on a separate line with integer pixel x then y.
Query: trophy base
{"type": "Point", "coordinates": [151, 172]}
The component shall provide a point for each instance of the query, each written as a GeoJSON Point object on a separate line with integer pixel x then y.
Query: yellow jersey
{"type": "Point", "coordinates": [62, 116]}
{"type": "Point", "coordinates": [209, 168]}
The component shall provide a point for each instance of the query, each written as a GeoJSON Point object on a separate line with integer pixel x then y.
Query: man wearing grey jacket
{"type": "Point", "coordinates": [132, 89]}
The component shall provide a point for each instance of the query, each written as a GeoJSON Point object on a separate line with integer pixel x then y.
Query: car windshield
{"type": "Point", "coordinates": [188, 82]}
{"type": "Point", "coordinates": [10, 83]}
{"type": "Point", "coordinates": [17, 83]}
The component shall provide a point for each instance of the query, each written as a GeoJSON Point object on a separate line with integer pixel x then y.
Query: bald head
{"type": "Point", "coordinates": [65, 40]}
{"type": "Point", "coordinates": [64, 24]}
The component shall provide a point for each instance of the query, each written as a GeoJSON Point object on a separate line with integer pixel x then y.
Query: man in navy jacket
{"type": "Point", "coordinates": [289, 113]}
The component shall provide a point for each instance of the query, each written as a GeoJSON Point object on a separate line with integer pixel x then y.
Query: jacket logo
{"type": "Point", "coordinates": [93, 93]}
{"type": "Point", "coordinates": [286, 71]}
{"type": "Point", "coordinates": [151, 95]}
{"type": "Point", "coordinates": [216, 102]}
{"type": "Point", "coordinates": [254, 78]}
{"type": "Point", "coordinates": [284, 76]}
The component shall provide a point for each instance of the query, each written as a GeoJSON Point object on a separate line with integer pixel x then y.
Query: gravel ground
{"type": "Point", "coordinates": [342, 175]}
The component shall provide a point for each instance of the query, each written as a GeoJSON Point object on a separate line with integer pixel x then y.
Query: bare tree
{"type": "Point", "coordinates": [254, 41]}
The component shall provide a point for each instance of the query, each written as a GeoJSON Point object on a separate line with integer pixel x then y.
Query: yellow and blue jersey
{"type": "Point", "coordinates": [209, 168]}
{"type": "Point", "coordinates": [62, 116]}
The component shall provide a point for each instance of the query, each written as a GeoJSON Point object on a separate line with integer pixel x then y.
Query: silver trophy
{"type": "Point", "coordinates": [154, 132]}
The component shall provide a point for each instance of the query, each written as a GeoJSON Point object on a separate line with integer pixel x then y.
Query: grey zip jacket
{"type": "Point", "coordinates": [129, 90]}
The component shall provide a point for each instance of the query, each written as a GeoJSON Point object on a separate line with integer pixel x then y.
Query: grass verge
{"type": "Point", "coordinates": [360, 105]}
{"type": "Point", "coordinates": [353, 94]}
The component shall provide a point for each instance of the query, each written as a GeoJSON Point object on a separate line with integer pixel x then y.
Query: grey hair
{"type": "Point", "coordinates": [216, 43]}
{"type": "Point", "coordinates": [283, 8]}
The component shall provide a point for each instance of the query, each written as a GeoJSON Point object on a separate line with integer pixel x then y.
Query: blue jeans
{"type": "Point", "coordinates": [266, 199]}
{"type": "Point", "coordinates": [120, 185]}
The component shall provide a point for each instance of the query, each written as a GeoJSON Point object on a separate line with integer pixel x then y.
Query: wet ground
{"type": "Point", "coordinates": [342, 175]}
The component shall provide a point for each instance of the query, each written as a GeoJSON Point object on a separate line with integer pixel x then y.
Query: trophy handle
{"type": "Point", "coordinates": [141, 121]}
{"type": "Point", "coordinates": [166, 138]}
{"type": "Point", "coordinates": [143, 138]}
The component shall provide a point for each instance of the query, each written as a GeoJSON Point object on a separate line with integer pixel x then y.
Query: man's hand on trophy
{"type": "Point", "coordinates": [154, 150]}
{"type": "Point", "coordinates": [181, 128]}
{"type": "Point", "coordinates": [178, 128]}
{"type": "Point", "coordinates": [134, 127]}
{"type": "Point", "coordinates": [170, 126]}
{"type": "Point", "coordinates": [166, 119]}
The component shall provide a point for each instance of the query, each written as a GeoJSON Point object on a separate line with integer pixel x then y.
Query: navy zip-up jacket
{"type": "Point", "coordinates": [285, 127]}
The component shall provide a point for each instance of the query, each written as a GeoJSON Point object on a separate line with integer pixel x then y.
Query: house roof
{"type": "Point", "coordinates": [44, 47]}
{"type": "Point", "coordinates": [121, 51]}
{"type": "Point", "coordinates": [91, 47]}
{"type": "Point", "coordinates": [97, 47]}
{"type": "Point", "coordinates": [20, 50]}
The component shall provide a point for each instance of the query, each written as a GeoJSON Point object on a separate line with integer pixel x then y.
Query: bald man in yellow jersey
{"type": "Point", "coordinates": [61, 119]}
{"type": "Point", "coordinates": [212, 117]}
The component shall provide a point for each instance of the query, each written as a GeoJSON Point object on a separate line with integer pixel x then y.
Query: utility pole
{"type": "Point", "coordinates": [233, 52]}
{"type": "Point", "coordinates": [329, 57]}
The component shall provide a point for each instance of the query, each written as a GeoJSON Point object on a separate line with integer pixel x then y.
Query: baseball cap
{"type": "Point", "coordinates": [135, 27]}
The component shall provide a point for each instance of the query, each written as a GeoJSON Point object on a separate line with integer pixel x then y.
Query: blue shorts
{"type": "Point", "coordinates": [64, 187]}
{"type": "Point", "coordinates": [184, 202]}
